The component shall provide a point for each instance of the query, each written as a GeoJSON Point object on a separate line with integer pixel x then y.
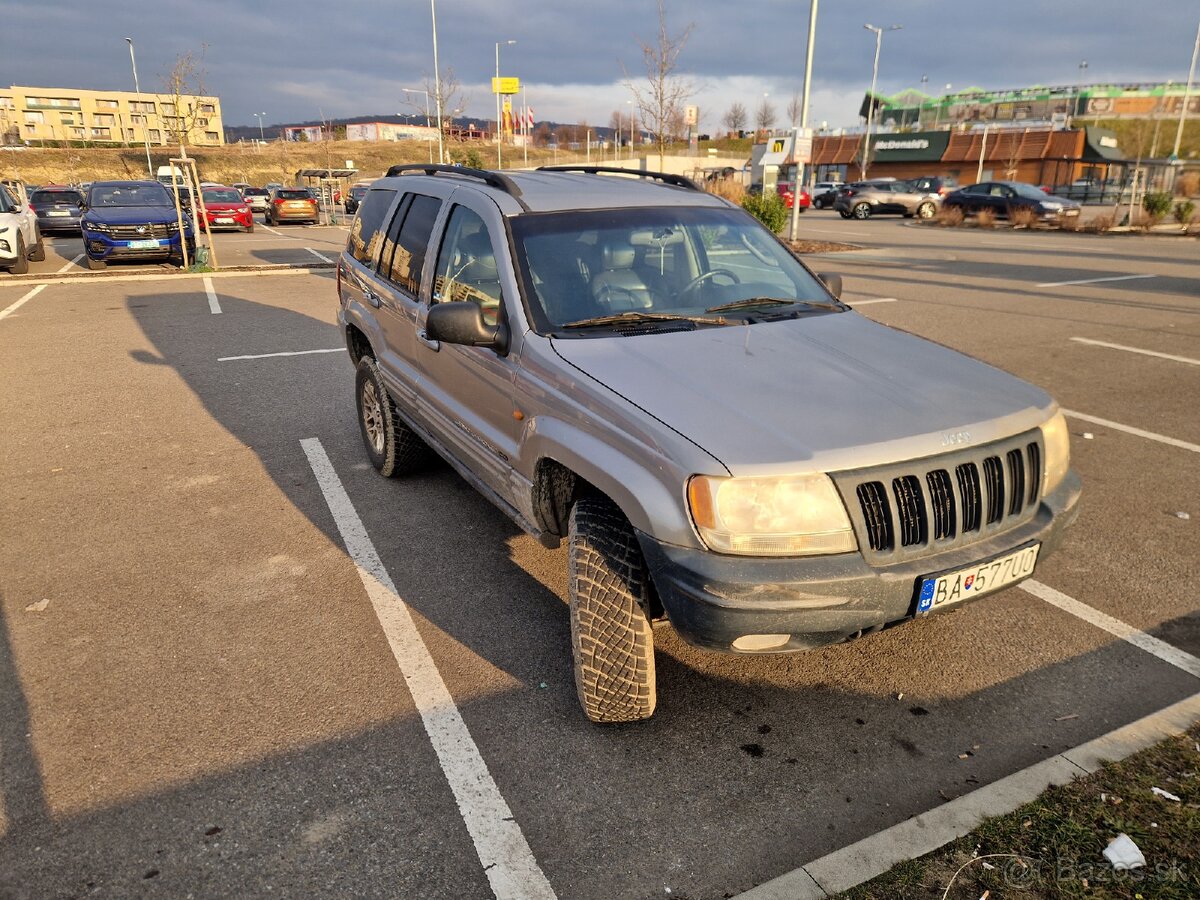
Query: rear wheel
{"type": "Point", "coordinates": [393, 447]}
{"type": "Point", "coordinates": [844, 213]}
{"type": "Point", "coordinates": [861, 211]}
{"type": "Point", "coordinates": [21, 265]}
{"type": "Point", "coordinates": [611, 639]}
{"type": "Point", "coordinates": [926, 210]}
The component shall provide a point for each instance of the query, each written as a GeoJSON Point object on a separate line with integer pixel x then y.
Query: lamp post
{"type": "Point", "coordinates": [499, 127]}
{"type": "Point", "coordinates": [145, 121]}
{"type": "Point", "coordinates": [1078, 90]}
{"type": "Point", "coordinates": [427, 121]}
{"type": "Point", "coordinates": [803, 132]}
{"type": "Point", "coordinates": [871, 99]}
{"type": "Point", "coordinates": [262, 138]}
{"type": "Point", "coordinates": [629, 103]}
{"type": "Point", "coordinates": [1187, 96]}
{"type": "Point", "coordinates": [437, 82]}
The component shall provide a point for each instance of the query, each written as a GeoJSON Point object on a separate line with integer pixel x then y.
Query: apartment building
{"type": "Point", "coordinates": [34, 115]}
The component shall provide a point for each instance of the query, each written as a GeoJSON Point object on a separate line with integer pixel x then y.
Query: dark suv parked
{"type": "Point", "coordinates": [57, 208]}
{"type": "Point", "coordinates": [133, 220]}
{"type": "Point", "coordinates": [639, 368]}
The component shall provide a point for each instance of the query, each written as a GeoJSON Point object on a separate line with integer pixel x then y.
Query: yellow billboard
{"type": "Point", "coordinates": [506, 85]}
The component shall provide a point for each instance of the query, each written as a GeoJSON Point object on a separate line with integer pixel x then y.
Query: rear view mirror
{"type": "Point", "coordinates": [832, 282]}
{"type": "Point", "coordinates": [462, 323]}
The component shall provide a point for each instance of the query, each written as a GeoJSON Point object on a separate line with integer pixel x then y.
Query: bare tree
{"type": "Point", "coordinates": [662, 96]}
{"type": "Point", "coordinates": [184, 84]}
{"type": "Point", "coordinates": [764, 116]}
{"type": "Point", "coordinates": [736, 117]}
{"type": "Point", "coordinates": [452, 97]}
{"type": "Point", "coordinates": [793, 110]}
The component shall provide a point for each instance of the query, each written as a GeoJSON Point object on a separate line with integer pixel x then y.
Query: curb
{"type": "Point", "coordinates": [859, 862]}
{"type": "Point", "coordinates": [100, 278]}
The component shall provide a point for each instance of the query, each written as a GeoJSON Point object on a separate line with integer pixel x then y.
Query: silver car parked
{"type": "Point", "coordinates": [867, 198]}
{"type": "Point", "coordinates": [640, 369]}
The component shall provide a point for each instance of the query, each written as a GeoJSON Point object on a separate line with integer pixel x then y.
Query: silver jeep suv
{"type": "Point", "coordinates": [639, 368]}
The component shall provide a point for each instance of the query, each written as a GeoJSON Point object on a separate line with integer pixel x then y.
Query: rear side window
{"type": "Point", "coordinates": [366, 235]}
{"type": "Point", "coordinates": [407, 241]}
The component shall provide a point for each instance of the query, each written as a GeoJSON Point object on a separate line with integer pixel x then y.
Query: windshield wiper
{"type": "Point", "coordinates": [750, 302]}
{"type": "Point", "coordinates": [633, 316]}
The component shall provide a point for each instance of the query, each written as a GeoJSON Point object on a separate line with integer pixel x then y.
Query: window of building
{"type": "Point", "coordinates": [201, 123]}
{"type": "Point", "coordinates": [212, 137]}
{"type": "Point", "coordinates": [137, 120]}
{"type": "Point", "coordinates": [209, 108]}
{"type": "Point", "coordinates": [104, 119]}
{"type": "Point", "coordinates": [107, 104]}
{"type": "Point", "coordinates": [141, 106]}
{"type": "Point", "coordinates": [78, 133]}
{"type": "Point", "coordinates": [103, 133]}
{"type": "Point", "coordinates": [66, 119]}
{"type": "Point", "coordinates": [34, 118]}
{"type": "Point", "coordinates": [52, 102]}
{"type": "Point", "coordinates": [155, 134]}
{"type": "Point", "coordinates": [168, 109]}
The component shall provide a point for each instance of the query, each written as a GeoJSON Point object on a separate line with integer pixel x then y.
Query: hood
{"type": "Point", "coordinates": [818, 393]}
{"type": "Point", "coordinates": [131, 215]}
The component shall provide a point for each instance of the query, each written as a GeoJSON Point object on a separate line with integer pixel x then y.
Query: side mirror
{"type": "Point", "coordinates": [462, 322]}
{"type": "Point", "coordinates": [833, 282]}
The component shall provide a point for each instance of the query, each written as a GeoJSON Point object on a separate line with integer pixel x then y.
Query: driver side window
{"type": "Point", "coordinates": [466, 266]}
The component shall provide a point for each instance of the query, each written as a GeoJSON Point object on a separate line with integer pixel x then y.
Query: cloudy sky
{"type": "Point", "coordinates": [297, 59]}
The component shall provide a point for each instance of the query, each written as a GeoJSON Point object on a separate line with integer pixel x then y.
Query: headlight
{"type": "Point", "coordinates": [244, 209]}
{"type": "Point", "coordinates": [789, 515]}
{"type": "Point", "coordinates": [1058, 452]}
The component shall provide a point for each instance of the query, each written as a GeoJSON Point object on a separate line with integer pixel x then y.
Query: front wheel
{"type": "Point", "coordinates": [38, 253]}
{"type": "Point", "coordinates": [611, 639]}
{"type": "Point", "coordinates": [926, 210]}
{"type": "Point", "coordinates": [861, 211]}
{"type": "Point", "coordinates": [845, 214]}
{"type": "Point", "coordinates": [393, 448]}
{"type": "Point", "coordinates": [21, 265]}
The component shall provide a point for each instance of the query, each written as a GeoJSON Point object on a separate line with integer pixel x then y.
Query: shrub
{"type": "Point", "coordinates": [1022, 217]}
{"type": "Point", "coordinates": [1101, 224]}
{"type": "Point", "coordinates": [768, 209]}
{"type": "Point", "coordinates": [949, 216]}
{"type": "Point", "coordinates": [1184, 212]}
{"type": "Point", "coordinates": [1157, 204]}
{"type": "Point", "coordinates": [1188, 184]}
{"type": "Point", "coordinates": [469, 158]}
{"type": "Point", "coordinates": [985, 218]}
{"type": "Point", "coordinates": [731, 190]}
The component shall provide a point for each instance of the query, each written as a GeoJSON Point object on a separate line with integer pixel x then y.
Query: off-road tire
{"type": "Point", "coordinates": [926, 210]}
{"type": "Point", "coordinates": [95, 264]}
{"type": "Point", "coordinates": [21, 265]}
{"type": "Point", "coordinates": [611, 639]}
{"type": "Point", "coordinates": [38, 253]}
{"type": "Point", "coordinates": [861, 211]}
{"type": "Point", "coordinates": [397, 450]}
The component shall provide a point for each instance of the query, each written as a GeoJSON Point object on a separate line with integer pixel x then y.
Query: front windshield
{"type": "Point", "coordinates": [699, 262]}
{"type": "Point", "coordinates": [226, 196]}
{"type": "Point", "coordinates": [129, 195]}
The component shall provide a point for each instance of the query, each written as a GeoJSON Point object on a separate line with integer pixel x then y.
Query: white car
{"type": "Point", "coordinates": [20, 239]}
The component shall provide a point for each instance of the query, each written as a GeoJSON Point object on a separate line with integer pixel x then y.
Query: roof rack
{"type": "Point", "coordinates": [494, 179]}
{"type": "Point", "coordinates": [664, 177]}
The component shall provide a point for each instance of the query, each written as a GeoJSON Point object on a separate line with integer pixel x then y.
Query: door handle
{"type": "Point", "coordinates": [424, 339]}
{"type": "Point", "coordinates": [371, 297]}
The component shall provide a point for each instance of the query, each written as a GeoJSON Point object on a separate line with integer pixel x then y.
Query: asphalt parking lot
{"type": "Point", "coordinates": [197, 696]}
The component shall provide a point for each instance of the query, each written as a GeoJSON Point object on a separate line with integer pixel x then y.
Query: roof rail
{"type": "Point", "coordinates": [664, 177]}
{"type": "Point", "coordinates": [494, 179]}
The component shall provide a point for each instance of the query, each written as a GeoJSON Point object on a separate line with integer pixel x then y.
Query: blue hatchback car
{"type": "Point", "coordinates": [133, 220]}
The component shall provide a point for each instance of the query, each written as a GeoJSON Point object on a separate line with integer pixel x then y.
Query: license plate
{"type": "Point", "coordinates": [939, 591]}
{"type": "Point", "coordinates": [223, 220]}
{"type": "Point", "coordinates": [1072, 212]}
{"type": "Point", "coordinates": [143, 245]}
{"type": "Point", "coordinates": [58, 212]}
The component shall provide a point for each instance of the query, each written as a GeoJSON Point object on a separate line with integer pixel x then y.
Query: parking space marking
{"type": "Point", "coordinates": [12, 309]}
{"type": "Point", "coordinates": [284, 353]}
{"type": "Point", "coordinates": [1129, 429]}
{"type": "Point", "coordinates": [69, 265]}
{"type": "Point", "coordinates": [1182, 359]}
{"type": "Point", "coordinates": [1095, 280]}
{"type": "Point", "coordinates": [213, 305]}
{"type": "Point", "coordinates": [879, 300]}
{"type": "Point", "coordinates": [1152, 645]}
{"type": "Point", "coordinates": [507, 859]}
{"type": "Point", "coordinates": [272, 230]}
{"type": "Point", "coordinates": [320, 256]}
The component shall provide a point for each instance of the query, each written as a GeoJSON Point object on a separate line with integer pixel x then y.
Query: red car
{"type": "Point", "coordinates": [784, 189]}
{"type": "Point", "coordinates": [227, 208]}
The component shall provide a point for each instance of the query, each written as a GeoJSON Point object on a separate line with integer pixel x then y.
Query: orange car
{"type": "Point", "coordinates": [292, 205]}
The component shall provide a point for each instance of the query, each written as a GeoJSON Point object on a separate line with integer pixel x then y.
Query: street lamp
{"type": "Point", "coordinates": [437, 82]}
{"type": "Point", "coordinates": [871, 99]}
{"type": "Point", "coordinates": [499, 128]}
{"type": "Point", "coordinates": [1078, 90]}
{"type": "Point", "coordinates": [145, 121]}
{"type": "Point", "coordinates": [629, 103]}
{"type": "Point", "coordinates": [1187, 96]}
{"type": "Point", "coordinates": [427, 121]}
{"type": "Point", "coordinates": [262, 138]}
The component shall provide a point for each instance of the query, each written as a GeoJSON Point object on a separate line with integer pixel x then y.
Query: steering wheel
{"type": "Point", "coordinates": [700, 279]}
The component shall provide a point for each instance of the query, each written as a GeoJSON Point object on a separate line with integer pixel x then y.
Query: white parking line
{"type": "Point", "coordinates": [1129, 429]}
{"type": "Point", "coordinates": [319, 256]}
{"type": "Point", "coordinates": [1182, 359]}
{"type": "Point", "coordinates": [1139, 639]}
{"type": "Point", "coordinates": [12, 309]}
{"type": "Point", "coordinates": [880, 300]}
{"type": "Point", "coordinates": [1095, 280]}
{"type": "Point", "coordinates": [507, 860]}
{"type": "Point", "coordinates": [272, 230]}
{"type": "Point", "coordinates": [285, 353]}
{"type": "Point", "coordinates": [213, 306]}
{"type": "Point", "coordinates": [69, 265]}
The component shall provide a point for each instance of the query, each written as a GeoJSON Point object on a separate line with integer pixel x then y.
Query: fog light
{"type": "Point", "coordinates": [753, 642]}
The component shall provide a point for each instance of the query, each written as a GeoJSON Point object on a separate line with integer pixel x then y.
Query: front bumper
{"type": "Point", "coordinates": [102, 247]}
{"type": "Point", "coordinates": [229, 219]}
{"type": "Point", "coordinates": [713, 599]}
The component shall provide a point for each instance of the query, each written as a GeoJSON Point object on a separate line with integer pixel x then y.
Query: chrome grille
{"type": "Point", "coordinates": [928, 505]}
